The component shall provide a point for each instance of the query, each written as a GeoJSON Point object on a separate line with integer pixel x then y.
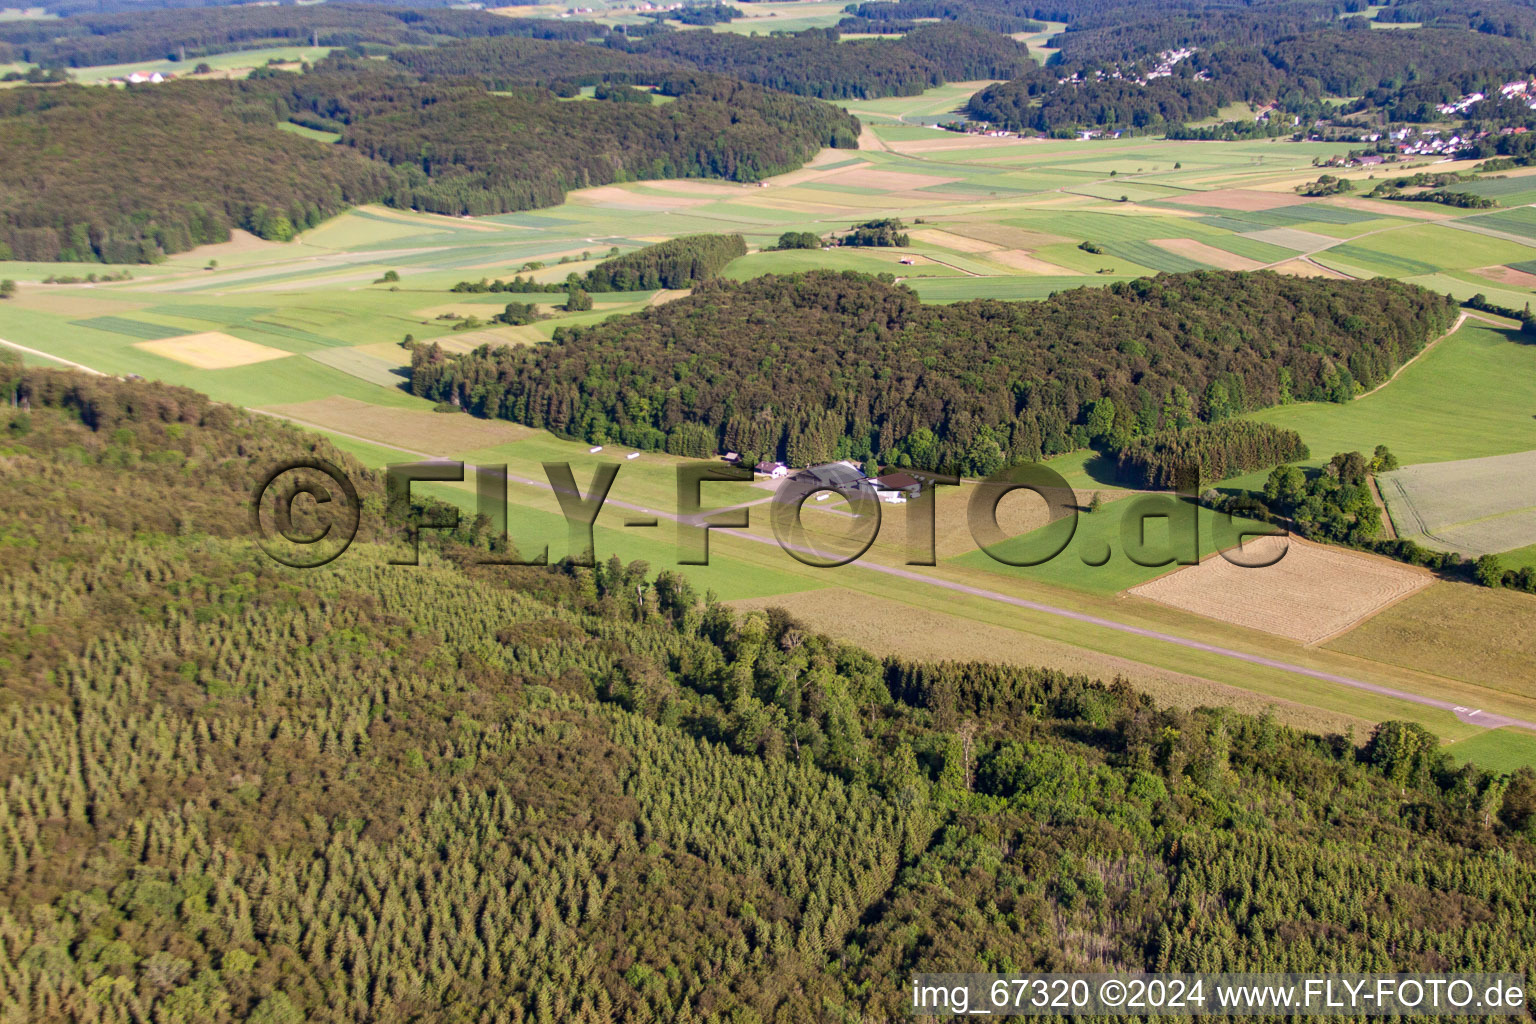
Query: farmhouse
{"type": "Point", "coordinates": [897, 487]}
{"type": "Point", "coordinates": [773, 470]}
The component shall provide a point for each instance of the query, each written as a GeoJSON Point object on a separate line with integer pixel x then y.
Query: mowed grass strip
{"type": "Point", "coordinates": [1104, 533]}
{"type": "Point", "coordinates": [123, 325]}
{"type": "Point", "coordinates": [1498, 750]}
{"type": "Point", "coordinates": [362, 365]}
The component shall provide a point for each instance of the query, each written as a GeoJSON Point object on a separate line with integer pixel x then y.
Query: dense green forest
{"type": "Point", "coordinates": [809, 63]}
{"type": "Point", "coordinates": [147, 35]}
{"type": "Point", "coordinates": [371, 792]}
{"type": "Point", "coordinates": [819, 366]}
{"type": "Point", "coordinates": [816, 63]}
{"type": "Point", "coordinates": [442, 146]}
{"type": "Point", "coordinates": [885, 16]}
{"type": "Point", "coordinates": [676, 263]}
{"type": "Point", "coordinates": [503, 64]}
{"type": "Point", "coordinates": [89, 208]}
{"type": "Point", "coordinates": [1165, 460]}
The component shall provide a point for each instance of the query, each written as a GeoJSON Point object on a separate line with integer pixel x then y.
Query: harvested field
{"type": "Point", "coordinates": [468, 341]}
{"type": "Point", "coordinates": [1021, 260]}
{"type": "Point", "coordinates": [417, 430]}
{"type": "Point", "coordinates": [1313, 592]}
{"type": "Point", "coordinates": [667, 295]}
{"type": "Point", "coordinates": [71, 303]}
{"type": "Point", "coordinates": [211, 350]}
{"type": "Point", "coordinates": [894, 627]}
{"type": "Point", "coordinates": [1475, 506]}
{"type": "Point", "coordinates": [1307, 268]}
{"type": "Point", "coordinates": [694, 187]}
{"type": "Point", "coordinates": [949, 240]}
{"type": "Point", "coordinates": [1208, 254]}
{"type": "Point", "coordinates": [1241, 199]}
{"type": "Point", "coordinates": [883, 181]}
{"type": "Point", "coordinates": [1507, 275]}
{"type": "Point", "coordinates": [1455, 630]}
{"type": "Point", "coordinates": [1294, 238]}
{"type": "Point", "coordinates": [951, 140]}
{"type": "Point", "coordinates": [617, 198]}
{"type": "Point", "coordinates": [1007, 236]}
{"type": "Point", "coordinates": [240, 242]}
{"type": "Point", "coordinates": [1381, 207]}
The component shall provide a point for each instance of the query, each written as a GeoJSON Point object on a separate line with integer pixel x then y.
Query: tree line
{"type": "Point", "coordinates": [1169, 459]}
{"type": "Point", "coordinates": [676, 263]}
{"type": "Point", "coordinates": [822, 366]}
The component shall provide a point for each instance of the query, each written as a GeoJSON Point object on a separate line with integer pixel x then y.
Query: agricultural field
{"type": "Point", "coordinates": [310, 332]}
{"type": "Point", "coordinates": [1456, 630]}
{"type": "Point", "coordinates": [1473, 394]}
{"type": "Point", "coordinates": [1307, 592]}
{"type": "Point", "coordinates": [1474, 506]}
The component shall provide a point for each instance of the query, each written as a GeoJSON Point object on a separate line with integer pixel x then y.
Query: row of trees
{"type": "Point", "coordinates": [820, 366]}
{"type": "Point", "coordinates": [590, 794]}
{"type": "Point", "coordinates": [677, 263]}
{"type": "Point", "coordinates": [1170, 459]}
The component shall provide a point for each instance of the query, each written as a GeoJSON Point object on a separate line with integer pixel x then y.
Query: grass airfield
{"type": "Point", "coordinates": [314, 336]}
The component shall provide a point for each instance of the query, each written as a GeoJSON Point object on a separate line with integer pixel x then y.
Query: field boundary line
{"type": "Point", "coordinates": [1460, 320]}
{"type": "Point", "coordinates": [1386, 513]}
{"type": "Point", "coordinates": [57, 359]}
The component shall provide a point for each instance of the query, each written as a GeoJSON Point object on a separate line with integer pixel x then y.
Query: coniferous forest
{"type": "Point", "coordinates": [368, 792]}
{"type": "Point", "coordinates": [822, 366]}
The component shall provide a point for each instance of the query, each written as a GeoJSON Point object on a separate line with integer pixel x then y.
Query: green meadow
{"type": "Point", "coordinates": [1473, 394]}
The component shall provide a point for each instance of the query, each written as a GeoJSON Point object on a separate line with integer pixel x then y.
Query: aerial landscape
{"type": "Point", "coordinates": [721, 512]}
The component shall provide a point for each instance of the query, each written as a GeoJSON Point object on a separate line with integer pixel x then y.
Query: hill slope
{"type": "Point", "coordinates": [369, 792]}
